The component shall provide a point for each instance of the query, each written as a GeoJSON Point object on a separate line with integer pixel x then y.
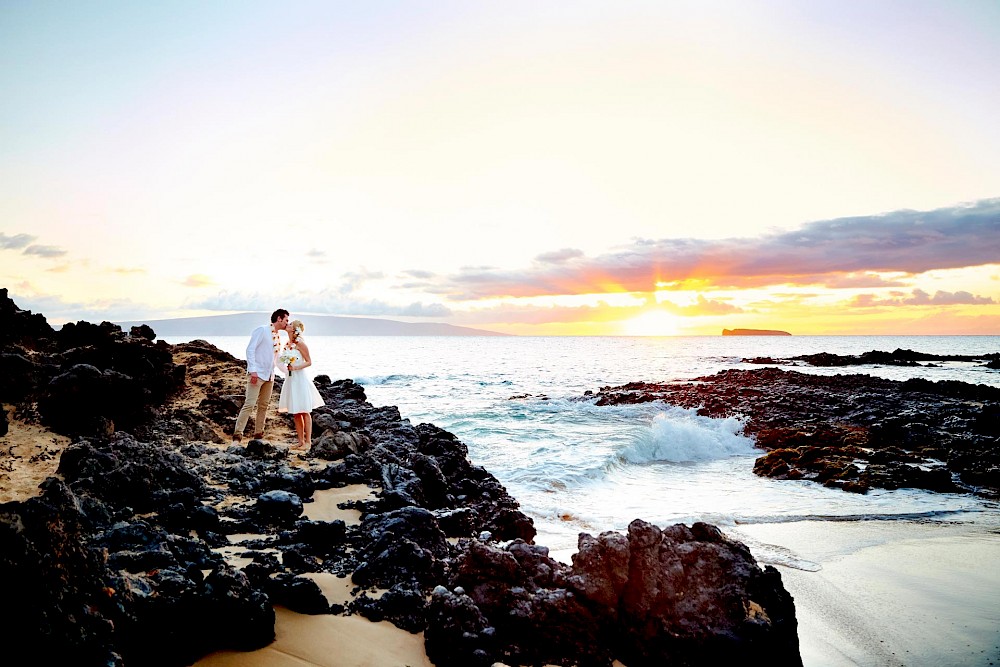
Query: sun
{"type": "Point", "coordinates": [652, 323]}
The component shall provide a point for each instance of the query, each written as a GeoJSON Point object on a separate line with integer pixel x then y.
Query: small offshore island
{"type": "Point", "coordinates": [754, 332]}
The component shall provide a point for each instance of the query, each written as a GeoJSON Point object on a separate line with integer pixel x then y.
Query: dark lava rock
{"type": "Point", "coordinates": [124, 472]}
{"type": "Point", "coordinates": [898, 357]}
{"type": "Point", "coordinates": [86, 379]}
{"type": "Point", "coordinates": [23, 328]}
{"type": "Point", "coordinates": [674, 596]}
{"type": "Point", "coordinates": [692, 596]}
{"type": "Point", "coordinates": [299, 594]}
{"type": "Point", "coordinates": [20, 377]}
{"type": "Point", "coordinates": [458, 635]}
{"type": "Point", "coordinates": [279, 506]}
{"type": "Point", "coordinates": [406, 547]}
{"type": "Point", "coordinates": [829, 429]}
{"type": "Point", "coordinates": [77, 398]}
{"type": "Point", "coordinates": [57, 597]}
{"type": "Point", "coordinates": [404, 607]}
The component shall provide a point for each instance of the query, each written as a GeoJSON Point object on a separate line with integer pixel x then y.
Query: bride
{"type": "Point", "coordinates": [298, 393]}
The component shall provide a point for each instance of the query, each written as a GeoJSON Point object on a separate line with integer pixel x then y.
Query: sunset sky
{"type": "Point", "coordinates": [538, 168]}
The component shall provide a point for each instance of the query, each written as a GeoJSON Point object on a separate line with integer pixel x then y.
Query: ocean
{"type": "Point", "coordinates": [519, 405]}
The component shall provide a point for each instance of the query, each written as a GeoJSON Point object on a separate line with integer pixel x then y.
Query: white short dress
{"type": "Point", "coordinates": [299, 394]}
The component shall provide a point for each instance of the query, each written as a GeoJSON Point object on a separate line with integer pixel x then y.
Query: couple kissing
{"type": "Point", "coordinates": [298, 397]}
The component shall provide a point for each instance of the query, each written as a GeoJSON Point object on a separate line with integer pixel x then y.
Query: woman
{"type": "Point", "coordinates": [298, 393]}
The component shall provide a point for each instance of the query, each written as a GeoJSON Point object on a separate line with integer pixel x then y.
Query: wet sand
{"type": "Point", "coordinates": [329, 641]}
{"type": "Point", "coordinates": [892, 592]}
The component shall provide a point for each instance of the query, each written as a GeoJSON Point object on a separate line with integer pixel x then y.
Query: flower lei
{"type": "Point", "coordinates": [275, 340]}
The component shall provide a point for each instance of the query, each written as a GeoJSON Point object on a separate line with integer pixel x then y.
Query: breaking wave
{"type": "Point", "coordinates": [679, 435]}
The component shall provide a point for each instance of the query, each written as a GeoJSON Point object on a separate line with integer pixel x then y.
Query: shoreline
{"type": "Point", "coordinates": [892, 593]}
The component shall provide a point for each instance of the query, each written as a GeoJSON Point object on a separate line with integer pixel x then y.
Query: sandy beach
{"type": "Point", "coordinates": [892, 592]}
{"type": "Point", "coordinates": [329, 641]}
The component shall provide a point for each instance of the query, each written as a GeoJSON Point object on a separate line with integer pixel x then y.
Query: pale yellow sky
{"type": "Point", "coordinates": [522, 168]}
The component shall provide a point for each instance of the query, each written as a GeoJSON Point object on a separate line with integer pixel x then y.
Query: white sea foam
{"type": "Point", "coordinates": [679, 435]}
{"type": "Point", "coordinates": [394, 378]}
{"type": "Point", "coordinates": [775, 554]}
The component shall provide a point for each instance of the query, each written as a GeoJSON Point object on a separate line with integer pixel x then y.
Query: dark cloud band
{"type": "Point", "coordinates": [831, 252]}
{"type": "Point", "coordinates": [15, 242]}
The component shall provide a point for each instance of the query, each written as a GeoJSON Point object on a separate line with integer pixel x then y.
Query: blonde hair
{"type": "Point", "coordinates": [297, 327]}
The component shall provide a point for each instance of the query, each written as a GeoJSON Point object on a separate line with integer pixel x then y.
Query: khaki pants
{"type": "Point", "coordinates": [258, 396]}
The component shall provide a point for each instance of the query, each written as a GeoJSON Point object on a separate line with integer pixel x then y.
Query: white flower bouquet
{"type": "Point", "coordinates": [289, 357]}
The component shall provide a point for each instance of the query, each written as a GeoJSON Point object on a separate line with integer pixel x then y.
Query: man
{"type": "Point", "coordinates": [262, 354]}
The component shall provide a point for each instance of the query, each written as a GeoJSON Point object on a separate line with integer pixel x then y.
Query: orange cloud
{"type": "Point", "coordinates": [197, 280]}
{"type": "Point", "coordinates": [921, 298]}
{"type": "Point", "coordinates": [848, 252]}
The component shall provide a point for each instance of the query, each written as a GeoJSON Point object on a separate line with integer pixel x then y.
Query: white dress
{"type": "Point", "coordinates": [299, 394]}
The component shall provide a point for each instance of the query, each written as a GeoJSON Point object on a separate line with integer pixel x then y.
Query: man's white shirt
{"type": "Point", "coordinates": [261, 355]}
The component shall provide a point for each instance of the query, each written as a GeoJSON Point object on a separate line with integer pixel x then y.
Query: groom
{"type": "Point", "coordinates": [262, 354]}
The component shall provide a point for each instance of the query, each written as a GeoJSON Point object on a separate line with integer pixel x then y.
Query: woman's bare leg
{"type": "Point", "coordinates": [299, 429]}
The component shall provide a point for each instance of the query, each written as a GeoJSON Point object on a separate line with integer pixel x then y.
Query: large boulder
{"type": "Point", "coordinates": [687, 595]}
{"type": "Point", "coordinates": [681, 595]}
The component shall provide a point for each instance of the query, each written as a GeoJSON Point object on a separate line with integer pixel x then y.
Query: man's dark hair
{"type": "Point", "coordinates": [278, 314]}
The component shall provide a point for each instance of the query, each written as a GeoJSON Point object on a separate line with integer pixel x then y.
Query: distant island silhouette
{"type": "Point", "coordinates": [240, 324]}
{"type": "Point", "coordinates": [754, 332]}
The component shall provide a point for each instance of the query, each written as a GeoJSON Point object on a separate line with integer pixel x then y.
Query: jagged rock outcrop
{"type": "Point", "coordinates": [85, 378]}
{"type": "Point", "coordinates": [678, 595]}
{"type": "Point", "coordinates": [898, 357]}
{"type": "Point", "coordinates": [853, 432]}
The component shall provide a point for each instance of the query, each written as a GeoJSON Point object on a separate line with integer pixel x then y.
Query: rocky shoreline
{"type": "Point", "coordinates": [851, 432]}
{"type": "Point", "coordinates": [157, 542]}
{"type": "Point", "coordinates": [897, 357]}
